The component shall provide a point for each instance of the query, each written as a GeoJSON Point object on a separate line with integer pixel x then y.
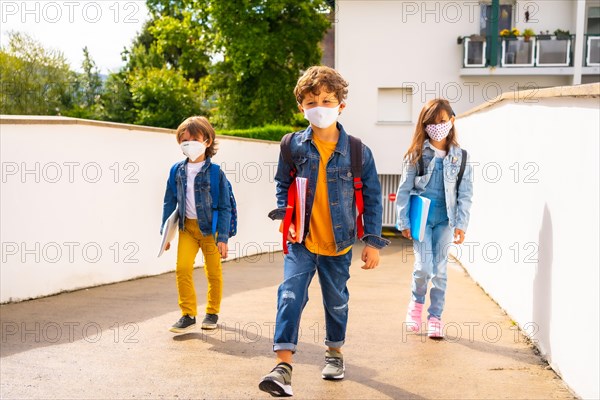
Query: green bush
{"type": "Point", "coordinates": [267, 132]}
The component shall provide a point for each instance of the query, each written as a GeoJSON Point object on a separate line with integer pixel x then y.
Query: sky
{"type": "Point", "coordinates": [104, 26]}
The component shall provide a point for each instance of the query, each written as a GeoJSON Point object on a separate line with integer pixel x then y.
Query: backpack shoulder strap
{"type": "Point", "coordinates": [461, 171]}
{"type": "Point", "coordinates": [355, 156]}
{"type": "Point", "coordinates": [286, 152]}
{"type": "Point", "coordinates": [420, 166]}
{"type": "Point", "coordinates": [356, 166]}
{"type": "Point", "coordinates": [214, 194]}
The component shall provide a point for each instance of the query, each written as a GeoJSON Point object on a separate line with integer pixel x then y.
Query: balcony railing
{"type": "Point", "coordinates": [535, 51]}
{"type": "Point", "coordinates": [592, 50]}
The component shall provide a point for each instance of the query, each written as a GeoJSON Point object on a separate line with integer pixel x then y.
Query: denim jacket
{"type": "Point", "coordinates": [175, 195]}
{"type": "Point", "coordinates": [340, 189]}
{"type": "Point", "coordinates": [458, 203]}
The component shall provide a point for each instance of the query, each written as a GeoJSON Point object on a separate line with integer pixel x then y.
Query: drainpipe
{"type": "Point", "coordinates": [493, 32]}
{"type": "Point", "coordinates": [579, 42]}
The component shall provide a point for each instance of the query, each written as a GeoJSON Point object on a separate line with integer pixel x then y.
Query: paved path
{"type": "Point", "coordinates": [113, 342]}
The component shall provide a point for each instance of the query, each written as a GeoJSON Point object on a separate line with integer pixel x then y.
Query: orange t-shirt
{"type": "Point", "coordinates": [320, 239]}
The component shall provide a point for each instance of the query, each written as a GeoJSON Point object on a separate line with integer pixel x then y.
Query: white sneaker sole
{"type": "Point", "coordinates": [275, 389]}
{"type": "Point", "coordinates": [182, 330]}
{"type": "Point", "coordinates": [334, 377]}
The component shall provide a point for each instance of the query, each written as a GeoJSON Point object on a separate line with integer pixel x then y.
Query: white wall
{"type": "Point", "coordinates": [56, 218]}
{"type": "Point", "coordinates": [545, 15]}
{"type": "Point", "coordinates": [407, 43]}
{"type": "Point", "coordinates": [534, 227]}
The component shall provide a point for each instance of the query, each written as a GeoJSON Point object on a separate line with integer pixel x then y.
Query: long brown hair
{"type": "Point", "coordinates": [429, 115]}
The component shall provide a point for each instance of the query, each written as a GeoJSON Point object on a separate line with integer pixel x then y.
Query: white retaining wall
{"type": "Point", "coordinates": [81, 202]}
{"type": "Point", "coordinates": [532, 243]}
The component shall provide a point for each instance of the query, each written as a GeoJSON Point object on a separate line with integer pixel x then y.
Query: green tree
{"type": "Point", "coordinates": [116, 101]}
{"type": "Point", "coordinates": [163, 97]}
{"type": "Point", "coordinates": [88, 90]}
{"type": "Point", "coordinates": [165, 71]}
{"type": "Point", "coordinates": [34, 80]}
{"type": "Point", "coordinates": [265, 45]}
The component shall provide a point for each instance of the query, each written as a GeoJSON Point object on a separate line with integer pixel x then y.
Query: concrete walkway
{"type": "Point", "coordinates": [113, 342]}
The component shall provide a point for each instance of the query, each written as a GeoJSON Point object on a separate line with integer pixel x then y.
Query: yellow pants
{"type": "Point", "coordinates": [190, 241]}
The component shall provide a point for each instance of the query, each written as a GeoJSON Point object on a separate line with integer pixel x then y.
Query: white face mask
{"type": "Point", "coordinates": [193, 149]}
{"type": "Point", "coordinates": [438, 132]}
{"type": "Point", "coordinates": [322, 117]}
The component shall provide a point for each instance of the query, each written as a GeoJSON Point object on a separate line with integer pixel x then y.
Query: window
{"type": "Point", "coordinates": [394, 105]}
{"type": "Point", "coordinates": [593, 21]}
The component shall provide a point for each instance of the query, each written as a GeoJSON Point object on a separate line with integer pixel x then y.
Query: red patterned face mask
{"type": "Point", "coordinates": [438, 132]}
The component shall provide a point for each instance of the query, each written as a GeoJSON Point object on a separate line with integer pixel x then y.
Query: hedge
{"type": "Point", "coordinates": [267, 132]}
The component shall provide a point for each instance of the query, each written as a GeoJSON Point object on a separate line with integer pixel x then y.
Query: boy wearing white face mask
{"type": "Point", "coordinates": [434, 167]}
{"type": "Point", "coordinates": [326, 156]}
{"type": "Point", "coordinates": [188, 189]}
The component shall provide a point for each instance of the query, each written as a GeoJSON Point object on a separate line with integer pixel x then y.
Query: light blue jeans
{"type": "Point", "coordinates": [431, 255]}
{"type": "Point", "coordinates": [299, 267]}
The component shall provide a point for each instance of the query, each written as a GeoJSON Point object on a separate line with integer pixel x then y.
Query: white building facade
{"type": "Point", "coordinates": [397, 55]}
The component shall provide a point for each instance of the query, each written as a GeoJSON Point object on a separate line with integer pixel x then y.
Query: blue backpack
{"type": "Point", "coordinates": [214, 193]}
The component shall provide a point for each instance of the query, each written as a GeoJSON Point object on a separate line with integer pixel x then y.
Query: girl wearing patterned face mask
{"type": "Point", "coordinates": [435, 167]}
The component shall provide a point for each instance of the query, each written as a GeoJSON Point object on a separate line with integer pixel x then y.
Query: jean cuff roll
{"type": "Point", "coordinates": [335, 345]}
{"type": "Point", "coordinates": [284, 346]}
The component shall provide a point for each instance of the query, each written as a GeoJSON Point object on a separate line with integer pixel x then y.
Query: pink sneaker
{"type": "Point", "coordinates": [413, 317]}
{"type": "Point", "coordinates": [435, 328]}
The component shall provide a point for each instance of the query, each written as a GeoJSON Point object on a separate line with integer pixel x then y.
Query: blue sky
{"type": "Point", "coordinates": [104, 26]}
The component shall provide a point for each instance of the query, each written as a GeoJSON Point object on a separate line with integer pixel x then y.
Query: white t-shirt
{"type": "Point", "coordinates": [190, 200]}
{"type": "Point", "coordinates": [439, 153]}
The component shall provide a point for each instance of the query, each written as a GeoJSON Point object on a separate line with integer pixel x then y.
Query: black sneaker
{"type": "Point", "coordinates": [185, 324]}
{"type": "Point", "coordinates": [278, 383]}
{"type": "Point", "coordinates": [210, 321]}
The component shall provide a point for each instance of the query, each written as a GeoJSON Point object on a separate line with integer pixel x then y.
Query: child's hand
{"type": "Point", "coordinates": [223, 249]}
{"type": "Point", "coordinates": [168, 246]}
{"type": "Point", "coordinates": [291, 237]}
{"type": "Point", "coordinates": [370, 256]}
{"type": "Point", "coordinates": [459, 236]}
{"type": "Point", "coordinates": [406, 234]}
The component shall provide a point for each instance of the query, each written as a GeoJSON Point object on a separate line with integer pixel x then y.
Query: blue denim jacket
{"type": "Point", "coordinates": [175, 194]}
{"type": "Point", "coordinates": [340, 188]}
{"type": "Point", "coordinates": [458, 204]}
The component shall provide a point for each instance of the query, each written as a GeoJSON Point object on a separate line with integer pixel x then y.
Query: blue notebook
{"type": "Point", "coordinates": [417, 212]}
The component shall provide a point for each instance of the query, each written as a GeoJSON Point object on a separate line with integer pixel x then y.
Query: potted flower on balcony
{"type": "Point", "coordinates": [562, 35]}
{"type": "Point", "coordinates": [510, 35]}
{"type": "Point", "coordinates": [527, 33]}
{"type": "Point", "coordinates": [544, 35]}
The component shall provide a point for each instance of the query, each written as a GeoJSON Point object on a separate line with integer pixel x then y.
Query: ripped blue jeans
{"type": "Point", "coordinates": [299, 267]}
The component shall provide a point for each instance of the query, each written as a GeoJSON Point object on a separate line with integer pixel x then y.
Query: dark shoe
{"type": "Point", "coordinates": [185, 324]}
{"type": "Point", "coordinates": [334, 365]}
{"type": "Point", "coordinates": [278, 383]}
{"type": "Point", "coordinates": [210, 321]}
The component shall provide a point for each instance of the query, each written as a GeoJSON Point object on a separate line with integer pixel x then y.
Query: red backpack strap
{"type": "Point", "coordinates": [286, 154]}
{"type": "Point", "coordinates": [356, 167]}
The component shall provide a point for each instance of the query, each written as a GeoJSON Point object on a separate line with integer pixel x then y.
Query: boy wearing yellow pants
{"type": "Point", "coordinates": [204, 221]}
